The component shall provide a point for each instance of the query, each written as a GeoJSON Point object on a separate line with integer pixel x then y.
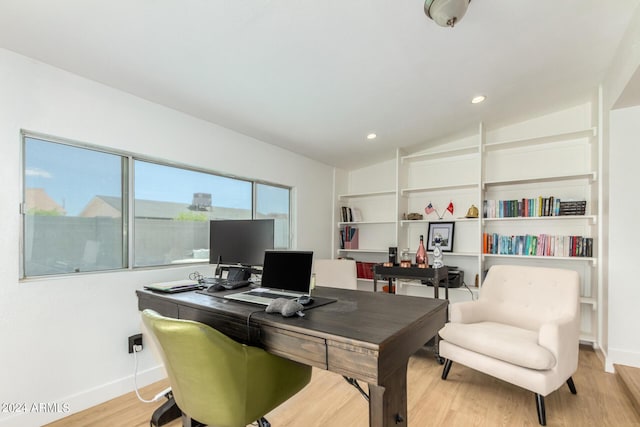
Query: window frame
{"type": "Point", "coordinates": [128, 197]}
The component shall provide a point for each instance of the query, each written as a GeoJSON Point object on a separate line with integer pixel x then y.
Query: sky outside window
{"type": "Point", "coordinates": [71, 176]}
{"type": "Point", "coordinates": [171, 184]}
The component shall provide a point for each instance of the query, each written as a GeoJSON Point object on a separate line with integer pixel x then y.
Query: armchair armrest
{"type": "Point", "coordinates": [468, 311]}
{"type": "Point", "coordinates": [562, 338]}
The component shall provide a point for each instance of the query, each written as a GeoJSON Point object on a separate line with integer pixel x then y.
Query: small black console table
{"type": "Point", "coordinates": [433, 276]}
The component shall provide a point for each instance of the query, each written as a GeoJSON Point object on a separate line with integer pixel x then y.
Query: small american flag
{"type": "Point", "coordinates": [429, 209]}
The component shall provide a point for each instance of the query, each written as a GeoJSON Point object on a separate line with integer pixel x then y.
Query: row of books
{"type": "Point", "coordinates": [348, 237]}
{"type": "Point", "coordinates": [534, 207]}
{"type": "Point", "coordinates": [348, 214]}
{"type": "Point", "coordinates": [537, 245]}
{"type": "Point", "coordinates": [364, 270]}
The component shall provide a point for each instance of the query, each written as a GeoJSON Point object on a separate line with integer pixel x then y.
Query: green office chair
{"type": "Point", "coordinates": [218, 381]}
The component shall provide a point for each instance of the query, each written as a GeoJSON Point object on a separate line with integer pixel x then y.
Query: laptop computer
{"type": "Point", "coordinates": [285, 274]}
{"type": "Point", "coordinates": [175, 286]}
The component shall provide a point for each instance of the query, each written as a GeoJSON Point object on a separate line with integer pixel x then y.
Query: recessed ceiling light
{"type": "Point", "coordinates": [371, 136]}
{"type": "Point", "coordinates": [478, 99]}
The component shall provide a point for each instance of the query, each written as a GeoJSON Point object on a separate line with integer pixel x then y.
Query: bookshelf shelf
{"type": "Point", "coordinates": [365, 223]}
{"type": "Point", "coordinates": [591, 260]}
{"type": "Point", "coordinates": [590, 176]}
{"type": "Point", "coordinates": [469, 186]}
{"type": "Point", "coordinates": [460, 254]}
{"type": "Point", "coordinates": [592, 219]}
{"type": "Point", "coordinates": [406, 222]}
{"type": "Point", "coordinates": [587, 337]}
{"type": "Point", "coordinates": [367, 194]}
{"type": "Point", "coordinates": [433, 155]}
{"type": "Point", "coordinates": [447, 254]}
{"type": "Point", "coordinates": [528, 142]}
{"type": "Point", "coordinates": [365, 251]}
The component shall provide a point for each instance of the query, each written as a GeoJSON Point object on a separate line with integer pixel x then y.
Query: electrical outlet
{"type": "Point", "coordinates": [135, 340]}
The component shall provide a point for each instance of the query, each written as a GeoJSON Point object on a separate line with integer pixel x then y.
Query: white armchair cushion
{"type": "Point", "coordinates": [504, 342]}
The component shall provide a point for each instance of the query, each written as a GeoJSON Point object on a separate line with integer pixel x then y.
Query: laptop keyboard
{"type": "Point", "coordinates": [272, 295]}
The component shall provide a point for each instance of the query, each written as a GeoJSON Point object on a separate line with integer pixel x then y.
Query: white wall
{"type": "Point", "coordinates": [624, 234]}
{"type": "Point", "coordinates": [64, 340]}
{"type": "Point", "coordinates": [621, 340]}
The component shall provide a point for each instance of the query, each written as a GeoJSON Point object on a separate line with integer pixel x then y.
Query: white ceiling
{"type": "Point", "coordinates": [317, 77]}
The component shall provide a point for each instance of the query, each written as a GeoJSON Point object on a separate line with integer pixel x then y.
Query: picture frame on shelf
{"type": "Point", "coordinates": [445, 231]}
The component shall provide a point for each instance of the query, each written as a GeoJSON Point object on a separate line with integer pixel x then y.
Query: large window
{"type": "Point", "coordinates": [80, 204]}
{"type": "Point", "coordinates": [73, 209]}
{"type": "Point", "coordinates": [172, 209]}
{"type": "Point", "coordinates": [273, 202]}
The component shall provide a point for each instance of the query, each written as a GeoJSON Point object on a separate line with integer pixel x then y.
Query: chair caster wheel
{"type": "Point", "coordinates": [440, 360]}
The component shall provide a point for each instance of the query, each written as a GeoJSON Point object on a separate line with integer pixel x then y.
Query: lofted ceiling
{"type": "Point", "coordinates": [317, 77]}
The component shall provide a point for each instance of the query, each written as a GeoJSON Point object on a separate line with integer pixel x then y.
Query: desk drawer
{"type": "Point", "coordinates": [352, 361]}
{"type": "Point", "coordinates": [295, 346]}
{"type": "Point", "coordinates": [165, 308]}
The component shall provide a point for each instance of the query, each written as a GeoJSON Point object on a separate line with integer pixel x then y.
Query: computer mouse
{"type": "Point", "coordinates": [305, 299]}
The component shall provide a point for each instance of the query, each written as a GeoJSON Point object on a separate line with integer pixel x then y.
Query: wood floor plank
{"type": "Point", "coordinates": [629, 377]}
{"type": "Point", "coordinates": [466, 398]}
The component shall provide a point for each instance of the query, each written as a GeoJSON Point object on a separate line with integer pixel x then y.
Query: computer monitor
{"type": "Point", "coordinates": [240, 241]}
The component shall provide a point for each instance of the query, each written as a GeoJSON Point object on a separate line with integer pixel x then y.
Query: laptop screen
{"type": "Point", "coordinates": [288, 270]}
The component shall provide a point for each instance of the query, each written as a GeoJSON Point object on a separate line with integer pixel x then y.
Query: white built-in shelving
{"type": "Point", "coordinates": [554, 155]}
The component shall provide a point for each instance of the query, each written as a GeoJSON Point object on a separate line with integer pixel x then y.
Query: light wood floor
{"type": "Point", "coordinates": [466, 398]}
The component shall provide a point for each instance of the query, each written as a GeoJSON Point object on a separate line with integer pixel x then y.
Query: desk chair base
{"type": "Point", "coordinates": [542, 416]}
{"type": "Point", "coordinates": [166, 413]}
{"type": "Point", "coordinates": [262, 422]}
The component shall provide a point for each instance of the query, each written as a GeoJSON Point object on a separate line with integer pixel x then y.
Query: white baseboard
{"type": "Point", "coordinates": [621, 357]}
{"type": "Point", "coordinates": [37, 414]}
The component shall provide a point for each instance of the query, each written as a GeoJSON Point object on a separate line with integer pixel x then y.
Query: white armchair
{"type": "Point", "coordinates": [523, 329]}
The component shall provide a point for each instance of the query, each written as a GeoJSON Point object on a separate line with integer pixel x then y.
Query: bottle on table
{"type": "Point", "coordinates": [437, 253]}
{"type": "Point", "coordinates": [405, 258]}
{"type": "Point", "coordinates": [421, 255]}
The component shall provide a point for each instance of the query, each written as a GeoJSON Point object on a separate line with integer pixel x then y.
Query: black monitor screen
{"type": "Point", "coordinates": [288, 270]}
{"type": "Point", "coordinates": [240, 241]}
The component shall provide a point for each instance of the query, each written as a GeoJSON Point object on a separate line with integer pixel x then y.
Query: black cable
{"type": "Point", "coordinates": [355, 383]}
{"type": "Point", "coordinates": [470, 291]}
{"type": "Point", "coordinates": [249, 325]}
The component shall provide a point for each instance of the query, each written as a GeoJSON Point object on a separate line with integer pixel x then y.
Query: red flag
{"type": "Point", "coordinates": [429, 209]}
{"type": "Point", "coordinates": [450, 207]}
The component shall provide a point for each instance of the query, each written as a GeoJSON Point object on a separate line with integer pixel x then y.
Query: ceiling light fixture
{"type": "Point", "coordinates": [478, 99]}
{"type": "Point", "coordinates": [446, 13]}
{"type": "Point", "coordinates": [371, 136]}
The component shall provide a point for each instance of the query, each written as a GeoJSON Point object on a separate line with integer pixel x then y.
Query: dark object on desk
{"type": "Point", "coordinates": [217, 284]}
{"type": "Point", "coordinates": [305, 299]}
{"type": "Point", "coordinates": [215, 288]}
{"type": "Point", "coordinates": [197, 377]}
{"type": "Point", "coordinates": [175, 286]}
{"type": "Point", "coordinates": [286, 307]}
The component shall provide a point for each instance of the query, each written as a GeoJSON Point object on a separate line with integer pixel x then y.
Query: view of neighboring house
{"type": "Point", "coordinates": [111, 206]}
{"type": "Point", "coordinates": [37, 200]}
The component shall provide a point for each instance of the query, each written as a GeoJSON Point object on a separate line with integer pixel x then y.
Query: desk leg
{"type": "Point", "coordinates": [388, 402]}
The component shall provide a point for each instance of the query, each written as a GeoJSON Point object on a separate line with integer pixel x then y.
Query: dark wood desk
{"type": "Point", "coordinates": [364, 335]}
